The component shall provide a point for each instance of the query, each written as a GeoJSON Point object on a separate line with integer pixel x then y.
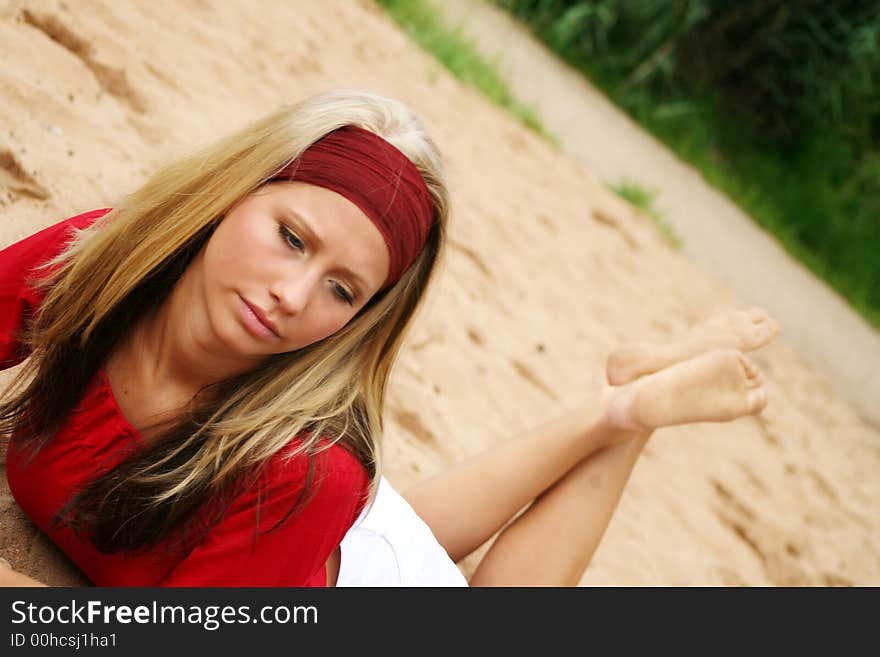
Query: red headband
{"type": "Point", "coordinates": [380, 180]}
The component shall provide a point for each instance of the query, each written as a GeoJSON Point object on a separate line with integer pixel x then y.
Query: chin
{"type": "Point", "coordinates": [235, 339]}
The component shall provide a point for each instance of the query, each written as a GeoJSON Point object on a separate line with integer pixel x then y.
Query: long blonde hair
{"type": "Point", "coordinates": [334, 389]}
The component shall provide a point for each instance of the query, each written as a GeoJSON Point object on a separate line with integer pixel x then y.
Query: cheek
{"type": "Point", "coordinates": [237, 248]}
{"type": "Point", "coordinates": [322, 323]}
{"type": "Point", "coordinates": [331, 322]}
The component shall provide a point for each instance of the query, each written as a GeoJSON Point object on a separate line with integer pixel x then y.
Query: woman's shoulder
{"type": "Point", "coordinates": [22, 264]}
{"type": "Point", "coordinates": [49, 242]}
{"type": "Point", "coordinates": [66, 227]}
{"type": "Point", "coordinates": [86, 219]}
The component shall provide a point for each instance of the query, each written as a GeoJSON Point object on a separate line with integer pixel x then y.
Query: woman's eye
{"type": "Point", "coordinates": [342, 293]}
{"type": "Point", "coordinates": [291, 239]}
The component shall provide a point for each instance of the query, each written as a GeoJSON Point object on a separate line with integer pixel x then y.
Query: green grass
{"type": "Point", "coordinates": [643, 199]}
{"type": "Point", "coordinates": [451, 48]}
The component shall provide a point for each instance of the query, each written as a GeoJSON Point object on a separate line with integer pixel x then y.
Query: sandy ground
{"type": "Point", "coordinates": [545, 274]}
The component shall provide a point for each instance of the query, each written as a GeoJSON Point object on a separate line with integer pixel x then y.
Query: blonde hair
{"type": "Point", "coordinates": [332, 389]}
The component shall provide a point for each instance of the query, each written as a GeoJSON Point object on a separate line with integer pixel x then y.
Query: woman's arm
{"type": "Point", "coordinates": [8, 577]}
{"type": "Point", "coordinates": [466, 505]}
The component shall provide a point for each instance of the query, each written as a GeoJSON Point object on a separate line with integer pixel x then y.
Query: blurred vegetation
{"type": "Point", "coordinates": [775, 101]}
{"type": "Point", "coordinates": [643, 199]}
{"type": "Point", "coordinates": [452, 49]}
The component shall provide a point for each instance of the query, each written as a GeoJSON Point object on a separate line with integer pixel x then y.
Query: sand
{"type": "Point", "coordinates": [546, 273]}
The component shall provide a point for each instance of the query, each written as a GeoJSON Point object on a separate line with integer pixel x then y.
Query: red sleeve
{"type": "Point", "coordinates": [295, 554]}
{"type": "Point", "coordinates": [18, 263]}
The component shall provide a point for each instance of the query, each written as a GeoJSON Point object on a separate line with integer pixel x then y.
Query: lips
{"type": "Point", "coordinates": [262, 319]}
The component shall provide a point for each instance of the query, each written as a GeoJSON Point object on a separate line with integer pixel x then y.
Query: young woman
{"type": "Point", "coordinates": [208, 360]}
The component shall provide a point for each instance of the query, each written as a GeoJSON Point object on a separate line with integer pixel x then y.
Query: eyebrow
{"type": "Point", "coordinates": [313, 236]}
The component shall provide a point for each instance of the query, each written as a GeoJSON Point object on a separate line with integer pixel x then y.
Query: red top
{"type": "Point", "coordinates": [97, 436]}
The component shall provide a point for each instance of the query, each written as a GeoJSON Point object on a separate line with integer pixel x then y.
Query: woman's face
{"type": "Point", "coordinates": [289, 265]}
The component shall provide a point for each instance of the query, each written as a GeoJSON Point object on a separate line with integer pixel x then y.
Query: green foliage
{"type": "Point", "coordinates": [643, 199]}
{"type": "Point", "coordinates": [789, 66]}
{"type": "Point", "coordinates": [775, 101]}
{"type": "Point", "coordinates": [452, 49]}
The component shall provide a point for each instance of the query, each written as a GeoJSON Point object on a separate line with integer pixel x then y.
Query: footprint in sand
{"type": "Point", "coordinates": [779, 554]}
{"type": "Point", "coordinates": [19, 182]}
{"type": "Point", "coordinates": [113, 80]}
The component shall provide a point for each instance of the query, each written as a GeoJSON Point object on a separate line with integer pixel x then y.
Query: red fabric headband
{"type": "Point", "coordinates": [380, 180]}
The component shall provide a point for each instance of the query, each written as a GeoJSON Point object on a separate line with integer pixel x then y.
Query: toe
{"type": "Point", "coordinates": [615, 368]}
{"type": "Point", "coordinates": [756, 380]}
{"type": "Point", "coordinates": [749, 368]}
{"type": "Point", "coordinates": [615, 377]}
{"type": "Point", "coordinates": [763, 332]}
{"type": "Point", "coordinates": [757, 400]}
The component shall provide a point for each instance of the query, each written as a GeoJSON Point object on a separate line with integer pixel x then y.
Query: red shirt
{"type": "Point", "coordinates": [96, 436]}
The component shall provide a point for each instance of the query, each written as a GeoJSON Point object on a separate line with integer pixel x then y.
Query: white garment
{"type": "Point", "coordinates": [390, 545]}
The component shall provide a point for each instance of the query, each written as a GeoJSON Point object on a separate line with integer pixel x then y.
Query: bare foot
{"type": "Point", "coordinates": [717, 386]}
{"type": "Point", "coordinates": [731, 328]}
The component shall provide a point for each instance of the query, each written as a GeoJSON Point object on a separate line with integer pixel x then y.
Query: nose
{"type": "Point", "coordinates": [292, 294]}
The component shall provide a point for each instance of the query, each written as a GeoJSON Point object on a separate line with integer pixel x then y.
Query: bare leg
{"type": "Point", "coordinates": [466, 505]}
{"type": "Point", "coordinates": [716, 386]}
{"type": "Point", "coordinates": [732, 328]}
{"type": "Point", "coordinates": [563, 528]}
